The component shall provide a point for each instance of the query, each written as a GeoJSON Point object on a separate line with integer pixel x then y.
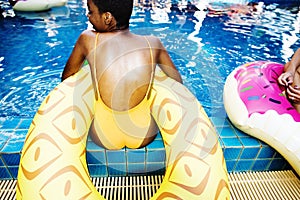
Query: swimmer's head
{"type": "Point", "coordinates": [253, 5]}
{"type": "Point", "coordinates": [121, 10]}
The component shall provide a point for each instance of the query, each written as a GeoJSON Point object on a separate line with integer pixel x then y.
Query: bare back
{"type": "Point", "coordinates": [123, 65]}
{"type": "Point", "coordinates": [123, 69]}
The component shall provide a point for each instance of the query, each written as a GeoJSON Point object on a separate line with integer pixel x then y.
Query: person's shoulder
{"type": "Point", "coordinates": [88, 33]}
{"type": "Point", "coordinates": [154, 41]}
{"type": "Point", "coordinates": [152, 38]}
{"type": "Point", "coordinates": [86, 40]}
{"type": "Point", "coordinates": [86, 36]}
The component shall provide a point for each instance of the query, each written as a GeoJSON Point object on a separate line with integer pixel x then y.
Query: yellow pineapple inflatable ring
{"type": "Point", "coordinates": [53, 162]}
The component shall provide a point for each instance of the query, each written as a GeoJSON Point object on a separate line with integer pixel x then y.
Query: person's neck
{"type": "Point", "coordinates": [114, 30]}
{"type": "Point", "coordinates": [120, 29]}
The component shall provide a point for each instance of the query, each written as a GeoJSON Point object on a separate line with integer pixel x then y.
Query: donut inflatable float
{"type": "Point", "coordinates": [36, 5]}
{"type": "Point", "coordinates": [53, 163]}
{"type": "Point", "coordinates": [255, 103]}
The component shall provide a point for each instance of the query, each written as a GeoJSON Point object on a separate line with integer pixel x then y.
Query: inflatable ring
{"type": "Point", "coordinates": [256, 104]}
{"type": "Point", "coordinates": [36, 5]}
{"type": "Point", "coordinates": [53, 163]}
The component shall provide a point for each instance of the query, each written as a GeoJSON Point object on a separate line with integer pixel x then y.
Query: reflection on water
{"type": "Point", "coordinates": [207, 47]}
{"type": "Point", "coordinates": [206, 40]}
{"type": "Point", "coordinates": [6, 10]}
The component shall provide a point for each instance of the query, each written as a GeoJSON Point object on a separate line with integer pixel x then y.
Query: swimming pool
{"type": "Point", "coordinates": [34, 48]}
{"type": "Point", "coordinates": [205, 48]}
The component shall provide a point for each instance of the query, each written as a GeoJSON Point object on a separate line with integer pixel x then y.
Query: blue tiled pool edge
{"type": "Point", "coordinates": [246, 153]}
{"type": "Point", "coordinates": [241, 152]}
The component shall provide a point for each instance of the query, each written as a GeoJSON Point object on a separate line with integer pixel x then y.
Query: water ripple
{"type": "Point", "coordinates": [35, 46]}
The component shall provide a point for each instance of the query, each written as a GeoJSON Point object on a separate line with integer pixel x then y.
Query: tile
{"type": "Point", "coordinates": [4, 174]}
{"type": "Point", "coordinates": [2, 144]}
{"type": "Point", "coordinates": [240, 133]}
{"type": "Point", "coordinates": [232, 153]}
{"type": "Point", "coordinates": [13, 147]}
{"type": "Point", "coordinates": [278, 164]}
{"type": "Point", "coordinates": [261, 165]}
{"type": "Point", "coordinates": [241, 151]}
{"type": "Point", "coordinates": [250, 142]}
{"type": "Point", "coordinates": [219, 121]}
{"type": "Point", "coordinates": [136, 155]}
{"type": "Point", "coordinates": [251, 148]}
{"type": "Point", "coordinates": [13, 171]}
{"type": "Point", "coordinates": [155, 144]}
{"type": "Point", "coordinates": [266, 152]}
{"type": "Point", "coordinates": [117, 169]}
{"type": "Point", "coordinates": [244, 165]}
{"type": "Point", "coordinates": [18, 135]}
{"type": "Point", "coordinates": [155, 168]}
{"type": "Point", "coordinates": [96, 157]}
{"type": "Point", "coordinates": [116, 156]}
{"type": "Point", "coordinates": [11, 159]}
{"type": "Point", "coordinates": [232, 142]}
{"type": "Point", "coordinates": [136, 168]}
{"type": "Point", "coordinates": [287, 166]}
{"type": "Point", "coordinates": [1, 162]}
{"type": "Point", "coordinates": [158, 136]}
{"type": "Point", "coordinates": [25, 124]}
{"type": "Point", "coordinates": [155, 155]}
{"type": "Point", "coordinates": [91, 146]}
{"type": "Point", "coordinates": [230, 165]}
{"type": "Point", "coordinates": [5, 135]}
{"type": "Point", "coordinates": [249, 153]}
{"type": "Point", "coordinates": [226, 131]}
{"type": "Point", "coordinates": [10, 124]}
{"type": "Point", "coordinates": [97, 170]}
{"type": "Point", "coordinates": [278, 155]}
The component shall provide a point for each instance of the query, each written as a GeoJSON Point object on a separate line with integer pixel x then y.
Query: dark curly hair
{"type": "Point", "coordinates": [120, 9]}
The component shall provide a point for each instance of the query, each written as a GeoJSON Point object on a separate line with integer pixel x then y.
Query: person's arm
{"type": "Point", "coordinates": [76, 58]}
{"type": "Point", "coordinates": [166, 63]}
{"type": "Point", "coordinates": [290, 78]}
{"type": "Point", "coordinates": [295, 62]}
{"type": "Point", "coordinates": [287, 78]}
{"type": "Point", "coordinates": [293, 90]}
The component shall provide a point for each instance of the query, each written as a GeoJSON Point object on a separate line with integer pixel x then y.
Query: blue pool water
{"type": "Point", "coordinates": [35, 46]}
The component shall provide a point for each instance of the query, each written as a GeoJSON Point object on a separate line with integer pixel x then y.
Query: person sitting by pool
{"type": "Point", "coordinates": [290, 78]}
{"type": "Point", "coordinates": [122, 66]}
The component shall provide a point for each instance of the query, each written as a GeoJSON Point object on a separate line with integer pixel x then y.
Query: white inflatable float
{"type": "Point", "coordinates": [36, 5]}
{"type": "Point", "coordinates": [255, 103]}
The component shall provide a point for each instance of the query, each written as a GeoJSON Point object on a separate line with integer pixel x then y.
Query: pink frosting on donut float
{"type": "Point", "coordinates": [259, 90]}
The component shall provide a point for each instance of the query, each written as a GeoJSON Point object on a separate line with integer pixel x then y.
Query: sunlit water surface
{"type": "Point", "coordinates": [34, 47]}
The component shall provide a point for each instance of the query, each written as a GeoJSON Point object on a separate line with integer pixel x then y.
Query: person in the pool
{"type": "Point", "coordinates": [122, 66]}
{"type": "Point", "coordinates": [235, 9]}
{"type": "Point", "coordinates": [290, 78]}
